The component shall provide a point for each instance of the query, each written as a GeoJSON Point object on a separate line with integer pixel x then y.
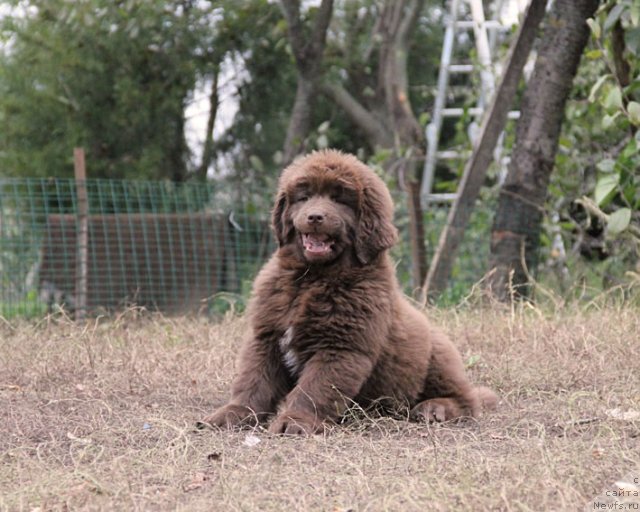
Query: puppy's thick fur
{"type": "Point", "coordinates": [329, 324]}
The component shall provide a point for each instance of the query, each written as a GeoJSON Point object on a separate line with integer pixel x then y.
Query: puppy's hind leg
{"type": "Point", "coordinates": [447, 393]}
{"type": "Point", "coordinates": [488, 399]}
{"type": "Point", "coordinates": [443, 409]}
{"type": "Point", "coordinates": [437, 410]}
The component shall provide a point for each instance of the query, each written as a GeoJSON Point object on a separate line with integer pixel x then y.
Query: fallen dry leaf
{"type": "Point", "coordinates": [619, 414]}
{"type": "Point", "coordinates": [251, 441]}
{"type": "Point", "coordinates": [197, 481]}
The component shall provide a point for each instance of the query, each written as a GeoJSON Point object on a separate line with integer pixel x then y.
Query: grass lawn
{"type": "Point", "coordinates": [100, 417]}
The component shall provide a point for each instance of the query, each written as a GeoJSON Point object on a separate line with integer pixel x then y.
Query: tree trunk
{"type": "Point", "coordinates": [390, 124]}
{"type": "Point", "coordinates": [299, 121]}
{"type": "Point", "coordinates": [308, 52]}
{"type": "Point", "coordinates": [207, 151]}
{"type": "Point", "coordinates": [379, 136]}
{"type": "Point", "coordinates": [517, 223]}
{"type": "Point", "coordinates": [397, 24]}
{"type": "Point", "coordinates": [178, 149]}
{"type": "Point", "coordinates": [476, 168]}
{"type": "Point", "coordinates": [416, 234]}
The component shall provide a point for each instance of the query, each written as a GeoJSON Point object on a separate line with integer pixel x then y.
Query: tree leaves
{"type": "Point", "coordinates": [113, 77]}
{"type": "Point", "coordinates": [595, 28]}
{"type": "Point", "coordinates": [605, 188]}
{"type": "Point", "coordinates": [614, 15]}
{"type": "Point", "coordinates": [596, 87]}
{"type": "Point", "coordinates": [619, 221]}
{"type": "Point", "coordinates": [606, 165]}
{"type": "Point", "coordinates": [613, 99]}
{"type": "Point", "coordinates": [633, 108]}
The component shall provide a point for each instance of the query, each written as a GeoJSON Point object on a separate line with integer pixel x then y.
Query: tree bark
{"type": "Point", "coordinates": [394, 126]}
{"type": "Point", "coordinates": [516, 228]}
{"type": "Point", "coordinates": [378, 134]}
{"type": "Point", "coordinates": [621, 66]}
{"type": "Point", "coordinates": [308, 54]}
{"type": "Point", "coordinates": [178, 149]}
{"type": "Point", "coordinates": [207, 151]}
{"type": "Point", "coordinates": [398, 21]}
{"type": "Point", "coordinates": [476, 168]}
{"type": "Point", "coordinates": [618, 46]}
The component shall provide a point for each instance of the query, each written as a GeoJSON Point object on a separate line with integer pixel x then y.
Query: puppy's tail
{"type": "Point", "coordinates": [488, 399]}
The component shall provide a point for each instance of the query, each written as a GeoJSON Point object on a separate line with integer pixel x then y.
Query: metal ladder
{"type": "Point", "coordinates": [484, 36]}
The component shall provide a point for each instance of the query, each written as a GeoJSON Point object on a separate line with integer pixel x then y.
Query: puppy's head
{"type": "Point", "coordinates": [329, 203]}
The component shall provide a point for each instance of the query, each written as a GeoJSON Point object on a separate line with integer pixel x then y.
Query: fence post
{"type": "Point", "coordinates": [82, 233]}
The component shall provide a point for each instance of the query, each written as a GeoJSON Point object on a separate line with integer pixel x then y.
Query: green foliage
{"type": "Point", "coordinates": [257, 38]}
{"type": "Point", "coordinates": [112, 77]}
{"type": "Point", "coordinates": [115, 78]}
{"type": "Point", "coordinates": [616, 33]}
{"type": "Point", "coordinates": [598, 156]}
{"type": "Point", "coordinates": [29, 307]}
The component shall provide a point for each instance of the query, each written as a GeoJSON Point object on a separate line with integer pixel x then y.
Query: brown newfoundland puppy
{"type": "Point", "coordinates": [330, 326]}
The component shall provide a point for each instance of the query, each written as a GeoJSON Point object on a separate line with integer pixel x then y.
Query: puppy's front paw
{"type": "Point", "coordinates": [229, 416]}
{"type": "Point", "coordinates": [436, 410]}
{"type": "Point", "coordinates": [296, 424]}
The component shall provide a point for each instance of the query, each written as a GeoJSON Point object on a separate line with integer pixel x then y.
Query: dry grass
{"type": "Point", "coordinates": [100, 418]}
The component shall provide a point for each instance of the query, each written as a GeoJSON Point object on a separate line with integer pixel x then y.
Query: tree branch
{"type": "Point", "coordinates": [409, 21]}
{"type": "Point", "coordinates": [377, 134]}
{"type": "Point", "coordinates": [622, 67]}
{"type": "Point", "coordinates": [373, 39]}
{"type": "Point", "coordinates": [308, 57]}
{"type": "Point", "coordinates": [307, 53]}
{"type": "Point", "coordinates": [291, 9]}
{"type": "Point", "coordinates": [392, 77]}
{"type": "Point", "coordinates": [207, 151]}
{"type": "Point", "coordinates": [319, 34]}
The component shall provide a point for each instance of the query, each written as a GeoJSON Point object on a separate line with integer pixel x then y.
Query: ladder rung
{"type": "Point", "coordinates": [459, 112]}
{"type": "Point", "coordinates": [489, 24]}
{"type": "Point", "coordinates": [461, 68]}
{"type": "Point", "coordinates": [441, 198]}
{"type": "Point", "coordinates": [452, 154]}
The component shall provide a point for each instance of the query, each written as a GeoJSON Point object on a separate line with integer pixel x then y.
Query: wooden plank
{"type": "Point", "coordinates": [82, 239]}
{"type": "Point", "coordinates": [476, 168]}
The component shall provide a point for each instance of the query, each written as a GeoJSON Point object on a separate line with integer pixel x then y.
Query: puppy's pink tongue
{"type": "Point", "coordinates": [315, 243]}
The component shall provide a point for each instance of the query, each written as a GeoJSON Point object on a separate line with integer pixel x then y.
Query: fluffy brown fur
{"type": "Point", "coordinates": [330, 325]}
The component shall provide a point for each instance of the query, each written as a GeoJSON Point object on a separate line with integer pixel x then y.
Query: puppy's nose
{"type": "Point", "coordinates": [315, 218]}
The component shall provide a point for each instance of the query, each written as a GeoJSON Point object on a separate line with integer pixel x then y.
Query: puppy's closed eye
{"type": "Point", "coordinates": [300, 194]}
{"type": "Point", "coordinates": [345, 195]}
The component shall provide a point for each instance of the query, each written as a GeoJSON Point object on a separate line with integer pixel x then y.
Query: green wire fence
{"type": "Point", "coordinates": [159, 245]}
{"type": "Point", "coordinates": [169, 247]}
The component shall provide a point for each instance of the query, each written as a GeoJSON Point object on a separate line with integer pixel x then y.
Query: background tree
{"type": "Point", "coordinates": [307, 51]}
{"type": "Point", "coordinates": [248, 51]}
{"type": "Point", "coordinates": [114, 78]}
{"type": "Point", "coordinates": [607, 215]}
{"type": "Point", "coordinates": [365, 74]}
{"type": "Point", "coordinates": [521, 206]}
{"type": "Point", "coordinates": [378, 102]}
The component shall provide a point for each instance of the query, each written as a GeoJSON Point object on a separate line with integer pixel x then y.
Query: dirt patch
{"type": "Point", "coordinates": [100, 417]}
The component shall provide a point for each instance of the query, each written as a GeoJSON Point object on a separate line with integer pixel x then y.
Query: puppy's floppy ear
{"type": "Point", "coordinates": [375, 231]}
{"type": "Point", "coordinates": [281, 226]}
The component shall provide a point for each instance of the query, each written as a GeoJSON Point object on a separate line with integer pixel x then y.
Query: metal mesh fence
{"type": "Point", "coordinates": [163, 246]}
{"type": "Point", "coordinates": [159, 245]}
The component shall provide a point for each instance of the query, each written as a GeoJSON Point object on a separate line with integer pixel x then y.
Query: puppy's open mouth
{"type": "Point", "coordinates": [317, 243]}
